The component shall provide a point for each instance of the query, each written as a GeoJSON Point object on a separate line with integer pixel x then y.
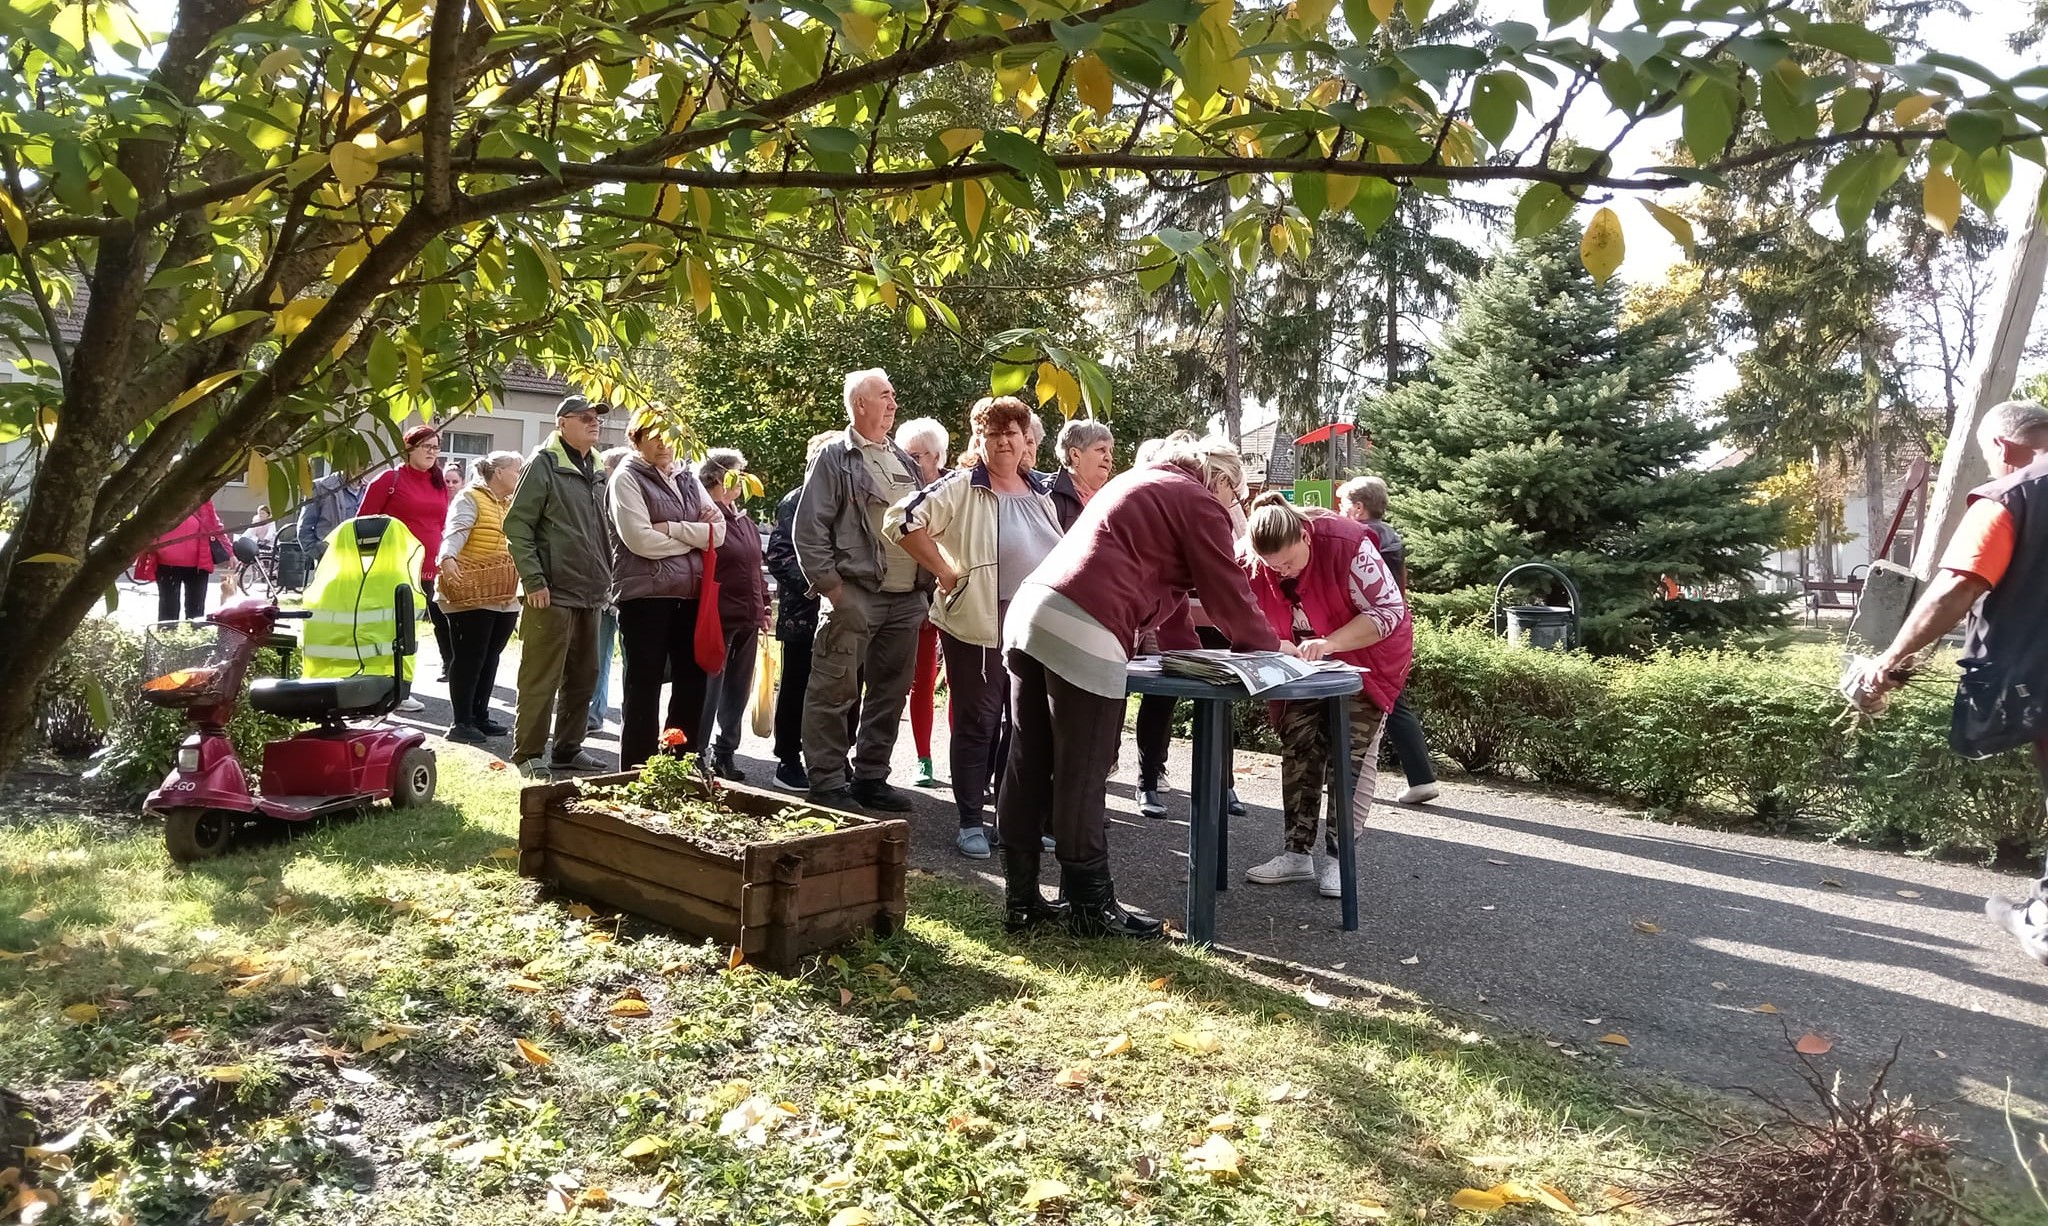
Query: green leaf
{"type": "Point", "coordinates": [1562, 12]}
{"type": "Point", "coordinates": [97, 705]}
{"type": "Point", "coordinates": [1858, 42]}
{"type": "Point", "coordinates": [1622, 86]}
{"type": "Point", "coordinates": [1635, 46]}
{"type": "Point", "coordinates": [1496, 97]}
{"type": "Point", "coordinates": [1311, 195]}
{"type": "Point", "coordinates": [1005, 379]}
{"type": "Point", "coordinates": [1974, 131]}
{"type": "Point", "coordinates": [1156, 268]}
{"type": "Point", "coordinates": [1014, 151]}
{"type": "Point", "coordinates": [1436, 62]}
{"type": "Point", "coordinates": [229, 322]}
{"type": "Point", "coordinates": [1857, 181]}
{"type": "Point", "coordinates": [1358, 15]}
{"type": "Point", "coordinates": [1374, 204]}
{"type": "Point", "coordinates": [384, 358]}
{"type": "Point", "coordinates": [1709, 117]}
{"type": "Point", "coordinates": [1788, 105]}
{"type": "Point", "coordinates": [119, 191]}
{"type": "Point", "coordinates": [1541, 209]}
{"type": "Point", "coordinates": [539, 150]}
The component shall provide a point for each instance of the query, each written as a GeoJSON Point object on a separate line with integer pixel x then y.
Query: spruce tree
{"type": "Point", "coordinates": [1545, 428]}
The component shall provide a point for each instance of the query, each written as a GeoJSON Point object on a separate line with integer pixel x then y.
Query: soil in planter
{"type": "Point", "coordinates": [669, 796]}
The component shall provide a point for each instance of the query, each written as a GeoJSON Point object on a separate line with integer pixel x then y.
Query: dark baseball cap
{"type": "Point", "coordinates": [572, 405]}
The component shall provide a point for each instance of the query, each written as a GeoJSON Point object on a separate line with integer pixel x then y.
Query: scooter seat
{"type": "Point", "coordinates": [315, 698]}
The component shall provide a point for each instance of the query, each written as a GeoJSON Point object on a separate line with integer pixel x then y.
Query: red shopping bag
{"type": "Point", "coordinates": [710, 634]}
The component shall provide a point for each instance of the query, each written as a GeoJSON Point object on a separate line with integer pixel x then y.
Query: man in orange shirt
{"type": "Point", "coordinates": [1995, 571]}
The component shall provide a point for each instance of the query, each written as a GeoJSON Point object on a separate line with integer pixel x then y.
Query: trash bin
{"type": "Point", "coordinates": [1548, 627]}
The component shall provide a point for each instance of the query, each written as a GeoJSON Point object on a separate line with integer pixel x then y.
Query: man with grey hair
{"type": "Point", "coordinates": [875, 596]}
{"type": "Point", "coordinates": [1995, 571]}
{"type": "Point", "coordinates": [1087, 455]}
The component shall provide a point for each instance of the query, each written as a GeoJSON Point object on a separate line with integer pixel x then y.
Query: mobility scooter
{"type": "Point", "coordinates": [206, 800]}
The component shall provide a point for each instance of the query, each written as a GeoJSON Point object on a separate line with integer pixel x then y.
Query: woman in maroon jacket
{"type": "Point", "coordinates": [742, 610]}
{"type": "Point", "coordinates": [182, 559]}
{"type": "Point", "coordinates": [1322, 584]}
{"type": "Point", "coordinates": [1124, 570]}
{"type": "Point", "coordinates": [416, 494]}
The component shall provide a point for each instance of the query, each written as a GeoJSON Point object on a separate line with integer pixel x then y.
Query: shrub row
{"type": "Point", "coordinates": [1751, 738]}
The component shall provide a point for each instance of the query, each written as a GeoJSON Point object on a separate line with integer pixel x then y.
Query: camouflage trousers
{"type": "Point", "coordinates": [1305, 771]}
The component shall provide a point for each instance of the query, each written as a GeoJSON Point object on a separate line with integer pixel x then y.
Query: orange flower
{"type": "Point", "coordinates": [673, 738]}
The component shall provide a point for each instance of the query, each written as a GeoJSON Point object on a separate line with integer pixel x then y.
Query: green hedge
{"type": "Point", "coordinates": [1758, 739]}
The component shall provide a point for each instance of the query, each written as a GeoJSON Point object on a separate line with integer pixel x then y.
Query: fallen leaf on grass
{"type": "Point", "coordinates": [1616, 1039]}
{"type": "Point", "coordinates": [387, 1034]}
{"type": "Point", "coordinates": [1200, 1042]}
{"type": "Point", "coordinates": [838, 1181]}
{"type": "Point", "coordinates": [36, 916]}
{"type": "Point", "coordinates": [524, 985]}
{"type": "Point", "coordinates": [532, 1054]}
{"type": "Point", "coordinates": [903, 992]}
{"type": "Point", "coordinates": [1477, 1201]}
{"type": "Point", "coordinates": [1216, 1157]}
{"type": "Point", "coordinates": [1159, 984]}
{"type": "Point", "coordinates": [1158, 1008]}
{"type": "Point", "coordinates": [582, 911]}
{"type": "Point", "coordinates": [1225, 1123]}
{"type": "Point", "coordinates": [1040, 1191]}
{"type": "Point", "coordinates": [853, 1215]}
{"type": "Point", "coordinates": [646, 1199]}
{"type": "Point", "coordinates": [1075, 1077]}
{"type": "Point", "coordinates": [937, 1045]}
{"type": "Point", "coordinates": [62, 1145]}
{"type": "Point", "coordinates": [1766, 1008]}
{"type": "Point", "coordinates": [1550, 1196]}
{"type": "Point", "coordinates": [488, 1150]}
{"type": "Point", "coordinates": [1810, 1044]}
{"type": "Point", "coordinates": [225, 1074]}
{"type": "Point", "coordinates": [978, 1126]}
{"type": "Point", "coordinates": [236, 1206]}
{"type": "Point", "coordinates": [1145, 1166]}
{"type": "Point", "coordinates": [734, 959]}
{"type": "Point", "coordinates": [361, 1077]}
{"type": "Point", "coordinates": [629, 1006]}
{"type": "Point", "coordinates": [1116, 1045]}
{"type": "Point", "coordinates": [983, 1062]}
{"type": "Point", "coordinates": [505, 853]}
{"type": "Point", "coordinates": [1371, 1211]}
{"type": "Point", "coordinates": [644, 1147]}
{"type": "Point", "coordinates": [496, 764]}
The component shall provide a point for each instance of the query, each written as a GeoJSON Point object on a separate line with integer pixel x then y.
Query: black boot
{"type": "Point", "coordinates": [1095, 910]}
{"type": "Point", "coordinates": [1024, 907]}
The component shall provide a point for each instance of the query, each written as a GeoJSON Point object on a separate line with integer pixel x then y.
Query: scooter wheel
{"type": "Point", "coordinates": [192, 835]}
{"type": "Point", "coordinates": [413, 783]}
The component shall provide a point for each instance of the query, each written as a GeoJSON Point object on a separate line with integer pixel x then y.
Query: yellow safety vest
{"type": "Point", "coordinates": [354, 603]}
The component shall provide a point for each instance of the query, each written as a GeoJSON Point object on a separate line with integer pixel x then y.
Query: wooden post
{"type": "Point", "coordinates": [1962, 464]}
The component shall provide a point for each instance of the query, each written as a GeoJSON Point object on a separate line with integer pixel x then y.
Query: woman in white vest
{"type": "Point", "coordinates": [479, 592]}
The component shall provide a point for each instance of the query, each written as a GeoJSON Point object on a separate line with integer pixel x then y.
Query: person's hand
{"type": "Point", "coordinates": [537, 598]}
{"type": "Point", "coordinates": [829, 594]}
{"type": "Point", "coordinates": [947, 578]}
{"type": "Point", "coordinates": [1289, 649]}
{"type": "Point", "coordinates": [1313, 649]}
{"type": "Point", "coordinates": [451, 567]}
{"type": "Point", "coordinates": [1881, 676]}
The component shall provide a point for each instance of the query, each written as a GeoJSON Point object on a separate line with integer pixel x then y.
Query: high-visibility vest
{"type": "Point", "coordinates": [354, 603]}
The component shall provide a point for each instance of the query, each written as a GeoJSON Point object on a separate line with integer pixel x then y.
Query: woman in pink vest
{"type": "Point", "coordinates": [416, 494]}
{"type": "Point", "coordinates": [1323, 586]}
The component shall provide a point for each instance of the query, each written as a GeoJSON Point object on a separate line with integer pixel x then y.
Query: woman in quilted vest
{"type": "Point", "coordinates": [742, 608]}
{"type": "Point", "coordinates": [416, 494]}
{"type": "Point", "coordinates": [1323, 587]}
{"type": "Point", "coordinates": [479, 593]}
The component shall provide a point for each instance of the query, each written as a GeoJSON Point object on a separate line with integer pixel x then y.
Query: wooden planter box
{"type": "Point", "coordinates": [776, 901]}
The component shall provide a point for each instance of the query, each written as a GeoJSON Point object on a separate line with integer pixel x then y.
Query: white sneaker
{"type": "Point", "coordinates": [1328, 883]}
{"type": "Point", "coordinates": [1150, 805]}
{"type": "Point", "coordinates": [411, 705]}
{"type": "Point", "coordinates": [1420, 794]}
{"type": "Point", "coordinates": [1285, 867]}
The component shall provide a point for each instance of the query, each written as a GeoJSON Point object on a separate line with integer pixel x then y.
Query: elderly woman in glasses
{"type": "Point", "coordinates": [980, 529]}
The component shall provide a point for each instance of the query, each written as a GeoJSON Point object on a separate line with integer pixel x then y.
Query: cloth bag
{"type": "Point", "coordinates": [1994, 713]}
{"type": "Point", "coordinates": [710, 643]}
{"type": "Point", "coordinates": [767, 673]}
{"type": "Point", "coordinates": [478, 585]}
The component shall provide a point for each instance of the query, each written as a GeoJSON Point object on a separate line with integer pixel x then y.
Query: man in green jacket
{"type": "Point", "coordinates": [555, 530]}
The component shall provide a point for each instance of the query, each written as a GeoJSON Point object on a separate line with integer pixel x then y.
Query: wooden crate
{"type": "Point", "coordinates": [777, 901]}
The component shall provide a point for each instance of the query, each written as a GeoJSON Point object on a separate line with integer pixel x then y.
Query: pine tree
{"type": "Point", "coordinates": [1544, 429]}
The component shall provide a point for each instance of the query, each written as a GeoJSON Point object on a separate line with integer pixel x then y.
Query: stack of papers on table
{"type": "Point", "coordinates": [1256, 671]}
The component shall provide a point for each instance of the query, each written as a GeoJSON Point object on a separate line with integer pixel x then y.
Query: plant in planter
{"type": "Point", "coordinates": [670, 793]}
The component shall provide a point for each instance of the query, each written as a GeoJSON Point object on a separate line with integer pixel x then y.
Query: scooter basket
{"type": "Point", "coordinates": [193, 664]}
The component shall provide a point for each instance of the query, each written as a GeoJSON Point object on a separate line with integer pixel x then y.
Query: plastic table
{"type": "Point", "coordinates": [1208, 833]}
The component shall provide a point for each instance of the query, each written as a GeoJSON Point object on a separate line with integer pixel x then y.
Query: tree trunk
{"type": "Point", "coordinates": [1825, 529]}
{"type": "Point", "coordinates": [1393, 327]}
{"type": "Point", "coordinates": [1233, 384]}
{"type": "Point", "coordinates": [1874, 518]}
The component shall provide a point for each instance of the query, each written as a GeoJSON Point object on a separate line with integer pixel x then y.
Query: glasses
{"type": "Point", "coordinates": [588, 419]}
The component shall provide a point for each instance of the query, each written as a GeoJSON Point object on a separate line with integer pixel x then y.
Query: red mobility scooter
{"type": "Point", "coordinates": [206, 800]}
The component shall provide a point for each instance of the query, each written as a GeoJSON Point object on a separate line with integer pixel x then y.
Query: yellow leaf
{"type": "Point", "coordinates": [937, 1045]}
{"type": "Point", "coordinates": [14, 221]}
{"type": "Point", "coordinates": [1646, 926]}
{"type": "Point", "coordinates": [201, 389]}
{"type": "Point", "coordinates": [1615, 1040]}
{"type": "Point", "coordinates": [959, 140]}
{"type": "Point", "coordinates": [1215, 1157]}
{"type": "Point", "coordinates": [1813, 1045]}
{"type": "Point", "coordinates": [296, 314]}
{"type": "Point", "coordinates": [82, 1013]}
{"type": "Point", "coordinates": [1601, 249]}
{"type": "Point", "coordinates": [1224, 1123]}
{"type": "Point", "coordinates": [581, 910]}
{"type": "Point", "coordinates": [1200, 1042]}
{"type": "Point", "coordinates": [1075, 1077]}
{"type": "Point", "coordinates": [838, 1181]}
{"type": "Point", "coordinates": [700, 286]}
{"type": "Point", "coordinates": [35, 915]}
{"type": "Point", "coordinates": [889, 294]}
{"type": "Point", "coordinates": [1512, 1193]}
{"type": "Point", "coordinates": [1282, 241]}
{"type": "Point", "coordinates": [1315, 14]}
{"type": "Point", "coordinates": [973, 204]}
{"type": "Point", "coordinates": [532, 1054]}
{"type": "Point", "coordinates": [629, 1007]}
{"type": "Point", "coordinates": [1159, 984]}
{"type": "Point", "coordinates": [1092, 84]}
{"type": "Point", "coordinates": [1116, 1045]}
{"type": "Point", "coordinates": [1942, 197]}
{"type": "Point", "coordinates": [644, 1147]}
{"type": "Point", "coordinates": [1550, 1196]}
{"type": "Point", "coordinates": [1382, 9]}
{"type": "Point", "coordinates": [58, 559]}
{"type": "Point", "coordinates": [1039, 1191]}
{"type": "Point", "coordinates": [860, 30]}
{"type": "Point", "coordinates": [700, 207]}
{"type": "Point", "coordinates": [353, 165]}
{"type": "Point", "coordinates": [505, 853]}
{"type": "Point", "coordinates": [1767, 1008]}
{"type": "Point", "coordinates": [1910, 108]}
{"type": "Point", "coordinates": [226, 1074]}
{"type": "Point", "coordinates": [903, 992]}
{"type": "Point", "coordinates": [1676, 226]}
{"type": "Point", "coordinates": [1477, 1201]}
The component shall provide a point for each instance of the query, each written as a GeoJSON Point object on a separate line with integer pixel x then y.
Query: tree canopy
{"type": "Point", "coordinates": [275, 217]}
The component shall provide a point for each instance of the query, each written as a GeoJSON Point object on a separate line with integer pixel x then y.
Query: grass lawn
{"type": "Point", "coordinates": [380, 1021]}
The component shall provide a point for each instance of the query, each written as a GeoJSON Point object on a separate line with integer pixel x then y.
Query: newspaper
{"type": "Point", "coordinates": [1256, 671]}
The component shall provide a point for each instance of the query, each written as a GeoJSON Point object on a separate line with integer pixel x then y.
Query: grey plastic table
{"type": "Point", "coordinates": [1208, 832]}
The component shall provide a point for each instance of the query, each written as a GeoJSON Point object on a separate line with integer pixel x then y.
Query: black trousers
{"type": "Point", "coordinates": [444, 638]}
{"type": "Point", "coordinates": [725, 695]}
{"type": "Point", "coordinates": [1410, 749]}
{"type": "Point", "coordinates": [1063, 747]}
{"type": "Point", "coordinates": [980, 702]}
{"type": "Point", "coordinates": [655, 634]}
{"type": "Point", "coordinates": [180, 584]}
{"type": "Point", "coordinates": [479, 637]}
{"type": "Point", "coordinates": [789, 700]}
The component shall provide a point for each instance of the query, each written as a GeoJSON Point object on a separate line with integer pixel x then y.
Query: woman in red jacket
{"type": "Point", "coordinates": [1323, 586]}
{"type": "Point", "coordinates": [416, 494]}
{"type": "Point", "coordinates": [183, 559]}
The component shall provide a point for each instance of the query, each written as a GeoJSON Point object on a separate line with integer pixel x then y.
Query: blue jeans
{"type": "Point", "coordinates": [607, 640]}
